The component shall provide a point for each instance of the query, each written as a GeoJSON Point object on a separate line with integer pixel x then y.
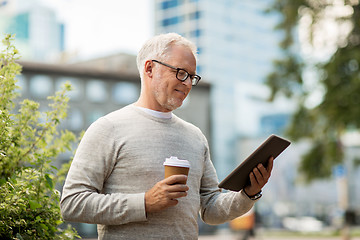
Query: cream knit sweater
{"type": "Point", "coordinates": [121, 157]}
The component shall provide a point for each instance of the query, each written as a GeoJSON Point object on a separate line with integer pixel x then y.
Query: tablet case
{"type": "Point", "coordinates": [239, 178]}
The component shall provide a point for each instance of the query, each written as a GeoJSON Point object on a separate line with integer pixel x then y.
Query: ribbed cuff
{"type": "Point", "coordinates": [137, 205]}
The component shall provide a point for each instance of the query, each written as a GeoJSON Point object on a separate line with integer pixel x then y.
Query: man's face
{"type": "Point", "coordinates": [168, 92]}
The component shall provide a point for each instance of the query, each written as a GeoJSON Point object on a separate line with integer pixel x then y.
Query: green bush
{"type": "Point", "coordinates": [29, 142]}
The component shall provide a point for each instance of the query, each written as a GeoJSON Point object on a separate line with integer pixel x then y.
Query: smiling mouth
{"type": "Point", "coordinates": [180, 91]}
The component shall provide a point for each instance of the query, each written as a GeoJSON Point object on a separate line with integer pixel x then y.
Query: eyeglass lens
{"type": "Point", "coordinates": [182, 74]}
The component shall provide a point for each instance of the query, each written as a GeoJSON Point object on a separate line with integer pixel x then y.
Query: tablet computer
{"type": "Point", "coordinates": [239, 178]}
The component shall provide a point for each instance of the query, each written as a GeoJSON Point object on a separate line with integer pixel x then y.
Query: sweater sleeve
{"type": "Point", "coordinates": [218, 207]}
{"type": "Point", "coordinates": [82, 198]}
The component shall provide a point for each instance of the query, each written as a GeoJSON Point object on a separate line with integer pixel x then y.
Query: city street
{"type": "Point", "coordinates": [237, 237]}
{"type": "Point", "coordinates": [228, 235]}
{"type": "Point", "coordinates": [232, 237]}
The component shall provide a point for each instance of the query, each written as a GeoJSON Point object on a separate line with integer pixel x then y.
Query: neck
{"type": "Point", "coordinates": [141, 102]}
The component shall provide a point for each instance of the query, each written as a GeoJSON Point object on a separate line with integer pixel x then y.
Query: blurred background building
{"type": "Point", "coordinates": [40, 36]}
{"type": "Point", "coordinates": [236, 44]}
{"type": "Point", "coordinates": [96, 93]}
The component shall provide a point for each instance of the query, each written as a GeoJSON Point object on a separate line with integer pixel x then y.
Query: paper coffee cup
{"type": "Point", "coordinates": [175, 166]}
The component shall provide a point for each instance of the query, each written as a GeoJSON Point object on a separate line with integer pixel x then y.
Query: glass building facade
{"type": "Point", "coordinates": [236, 44]}
{"type": "Point", "coordinates": [40, 36]}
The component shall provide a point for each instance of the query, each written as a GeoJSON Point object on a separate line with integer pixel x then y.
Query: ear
{"type": "Point", "coordinates": [148, 68]}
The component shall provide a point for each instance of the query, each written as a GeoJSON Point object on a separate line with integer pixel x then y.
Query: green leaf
{"type": "Point", "coordinates": [49, 181]}
{"type": "Point", "coordinates": [34, 205]}
{"type": "Point", "coordinates": [43, 226]}
{"type": "Point", "coordinates": [29, 141]}
{"type": "Point", "coordinates": [18, 236]}
{"type": "Point", "coordinates": [53, 167]}
{"type": "Point", "coordinates": [334, 79]}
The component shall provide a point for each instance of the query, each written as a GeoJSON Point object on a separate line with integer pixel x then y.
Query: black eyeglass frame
{"type": "Point", "coordinates": [194, 78]}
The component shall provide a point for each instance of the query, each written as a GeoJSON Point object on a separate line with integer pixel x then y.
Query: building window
{"type": "Point", "coordinates": [199, 50]}
{"type": "Point", "coordinates": [94, 115]}
{"type": "Point", "coordinates": [194, 15]}
{"type": "Point", "coordinates": [172, 21]}
{"type": "Point", "coordinates": [75, 120]}
{"type": "Point", "coordinates": [20, 26]}
{"type": "Point", "coordinates": [274, 123]}
{"type": "Point", "coordinates": [21, 83]}
{"type": "Point", "coordinates": [62, 37]}
{"type": "Point", "coordinates": [77, 91]}
{"type": "Point", "coordinates": [96, 91]}
{"type": "Point", "coordinates": [125, 93]}
{"type": "Point", "coordinates": [199, 69]}
{"type": "Point", "coordinates": [195, 33]}
{"type": "Point", "coordinates": [170, 4]}
{"type": "Point", "coordinates": [41, 86]}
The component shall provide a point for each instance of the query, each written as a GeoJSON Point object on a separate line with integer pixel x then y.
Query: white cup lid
{"type": "Point", "coordinates": [174, 161]}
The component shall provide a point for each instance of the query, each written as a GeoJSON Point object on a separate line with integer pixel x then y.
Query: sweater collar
{"type": "Point", "coordinates": [157, 114]}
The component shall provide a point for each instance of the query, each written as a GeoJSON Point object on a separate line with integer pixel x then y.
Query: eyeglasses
{"type": "Point", "coordinates": [182, 74]}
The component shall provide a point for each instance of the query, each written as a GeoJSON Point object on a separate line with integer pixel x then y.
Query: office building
{"type": "Point", "coordinates": [96, 93]}
{"type": "Point", "coordinates": [39, 34]}
{"type": "Point", "coordinates": [236, 44]}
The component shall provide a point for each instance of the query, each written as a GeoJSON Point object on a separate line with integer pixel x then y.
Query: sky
{"type": "Point", "coordinates": [97, 28]}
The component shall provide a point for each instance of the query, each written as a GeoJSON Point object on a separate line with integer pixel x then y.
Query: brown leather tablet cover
{"type": "Point", "coordinates": [239, 178]}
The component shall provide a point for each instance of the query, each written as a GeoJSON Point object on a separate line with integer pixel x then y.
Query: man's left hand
{"type": "Point", "coordinates": [258, 178]}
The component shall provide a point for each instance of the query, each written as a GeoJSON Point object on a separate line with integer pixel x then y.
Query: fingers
{"type": "Point", "coordinates": [175, 179]}
{"type": "Point", "coordinates": [253, 180]}
{"type": "Point", "coordinates": [175, 183]}
{"type": "Point", "coordinates": [261, 173]}
{"type": "Point", "coordinates": [258, 174]}
{"type": "Point", "coordinates": [259, 177]}
{"type": "Point", "coordinates": [164, 194]}
{"type": "Point", "coordinates": [174, 195]}
{"type": "Point", "coordinates": [270, 164]}
{"type": "Point", "coordinates": [176, 188]}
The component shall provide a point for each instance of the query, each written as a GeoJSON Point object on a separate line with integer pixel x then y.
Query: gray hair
{"type": "Point", "coordinates": [158, 47]}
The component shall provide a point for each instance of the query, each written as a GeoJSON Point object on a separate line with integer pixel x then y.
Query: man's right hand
{"type": "Point", "coordinates": [164, 194]}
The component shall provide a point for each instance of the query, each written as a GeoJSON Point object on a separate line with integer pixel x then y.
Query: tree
{"type": "Point", "coordinates": [333, 77]}
{"type": "Point", "coordinates": [29, 143]}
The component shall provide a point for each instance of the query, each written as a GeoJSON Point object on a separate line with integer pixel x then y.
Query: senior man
{"type": "Point", "coordinates": [116, 179]}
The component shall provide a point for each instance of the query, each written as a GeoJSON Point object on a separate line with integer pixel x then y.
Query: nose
{"type": "Point", "coordinates": [187, 82]}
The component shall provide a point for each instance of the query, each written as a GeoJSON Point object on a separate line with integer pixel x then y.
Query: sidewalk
{"type": "Point", "coordinates": [234, 237]}
{"type": "Point", "coordinates": [228, 235]}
